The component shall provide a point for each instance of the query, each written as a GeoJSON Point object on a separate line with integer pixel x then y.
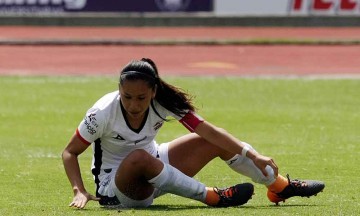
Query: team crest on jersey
{"type": "Point", "coordinates": [158, 125]}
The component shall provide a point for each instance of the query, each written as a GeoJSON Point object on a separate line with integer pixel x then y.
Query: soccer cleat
{"type": "Point", "coordinates": [303, 188]}
{"type": "Point", "coordinates": [234, 196]}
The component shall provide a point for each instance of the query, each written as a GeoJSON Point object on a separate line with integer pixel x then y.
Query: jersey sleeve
{"type": "Point", "coordinates": [91, 127]}
{"type": "Point", "coordinates": [191, 120]}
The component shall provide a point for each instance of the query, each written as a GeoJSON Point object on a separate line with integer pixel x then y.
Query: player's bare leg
{"type": "Point", "coordinates": [190, 153]}
{"type": "Point", "coordinates": [199, 152]}
{"type": "Point", "coordinates": [140, 173]}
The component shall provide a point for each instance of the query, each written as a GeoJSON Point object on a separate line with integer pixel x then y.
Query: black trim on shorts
{"type": "Point", "coordinates": [104, 200]}
{"type": "Point", "coordinates": [97, 163]}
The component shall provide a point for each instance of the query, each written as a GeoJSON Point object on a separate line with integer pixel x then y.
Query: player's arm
{"type": "Point", "coordinates": [70, 159]}
{"type": "Point", "coordinates": [223, 139]}
{"type": "Point", "coordinates": [76, 146]}
{"type": "Point", "coordinates": [211, 133]}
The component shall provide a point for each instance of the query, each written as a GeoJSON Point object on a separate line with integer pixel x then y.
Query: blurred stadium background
{"type": "Point", "coordinates": [71, 36]}
{"type": "Point", "coordinates": [292, 38]}
{"type": "Point", "coordinates": [181, 12]}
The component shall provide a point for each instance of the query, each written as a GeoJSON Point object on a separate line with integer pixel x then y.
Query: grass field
{"type": "Point", "coordinates": [310, 127]}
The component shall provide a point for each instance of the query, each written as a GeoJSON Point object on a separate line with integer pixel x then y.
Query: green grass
{"type": "Point", "coordinates": [310, 127]}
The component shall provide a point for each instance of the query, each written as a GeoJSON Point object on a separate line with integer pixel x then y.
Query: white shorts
{"type": "Point", "coordinates": [108, 189]}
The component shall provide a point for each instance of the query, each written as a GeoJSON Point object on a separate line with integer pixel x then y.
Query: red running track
{"type": "Point", "coordinates": [181, 60]}
{"type": "Point", "coordinates": [8, 32]}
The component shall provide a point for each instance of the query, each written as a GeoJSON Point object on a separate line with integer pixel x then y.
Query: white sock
{"type": "Point", "coordinates": [173, 181]}
{"type": "Point", "coordinates": [246, 166]}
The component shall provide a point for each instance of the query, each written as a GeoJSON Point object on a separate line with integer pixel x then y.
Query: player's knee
{"type": "Point", "coordinates": [138, 158]}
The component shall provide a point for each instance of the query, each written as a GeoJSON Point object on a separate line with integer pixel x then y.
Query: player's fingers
{"type": "Point", "coordinates": [264, 172]}
{"type": "Point", "coordinates": [276, 172]}
{"type": "Point", "coordinates": [76, 204]}
{"type": "Point", "coordinates": [275, 168]}
{"type": "Point", "coordinates": [82, 204]}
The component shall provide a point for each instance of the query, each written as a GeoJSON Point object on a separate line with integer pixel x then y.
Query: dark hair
{"type": "Point", "coordinates": [171, 97]}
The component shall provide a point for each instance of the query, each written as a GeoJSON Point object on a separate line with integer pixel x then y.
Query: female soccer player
{"type": "Point", "coordinates": [130, 169]}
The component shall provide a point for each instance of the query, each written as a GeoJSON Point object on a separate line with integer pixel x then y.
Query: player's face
{"type": "Point", "coordinates": [136, 96]}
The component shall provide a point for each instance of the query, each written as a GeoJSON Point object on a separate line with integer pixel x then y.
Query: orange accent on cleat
{"type": "Point", "coordinates": [212, 198]}
{"type": "Point", "coordinates": [280, 183]}
{"type": "Point", "coordinates": [302, 188]}
{"type": "Point", "coordinates": [274, 198]}
{"type": "Point", "coordinates": [234, 196]}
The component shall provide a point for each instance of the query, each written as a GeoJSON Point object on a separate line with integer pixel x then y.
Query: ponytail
{"type": "Point", "coordinates": [173, 98]}
{"type": "Point", "coordinates": [169, 96]}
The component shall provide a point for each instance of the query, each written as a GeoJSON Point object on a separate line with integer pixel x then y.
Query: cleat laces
{"type": "Point", "coordinates": [234, 196]}
{"type": "Point", "coordinates": [225, 194]}
{"type": "Point", "coordinates": [303, 188]}
{"type": "Point", "coordinates": [295, 187]}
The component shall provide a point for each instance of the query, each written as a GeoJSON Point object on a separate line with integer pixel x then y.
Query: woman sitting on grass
{"type": "Point", "coordinates": [130, 169]}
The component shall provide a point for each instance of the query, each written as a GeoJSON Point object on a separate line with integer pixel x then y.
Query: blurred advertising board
{"type": "Point", "coordinates": [286, 7]}
{"type": "Point", "coordinates": [325, 7]}
{"type": "Point", "coordinates": [137, 6]}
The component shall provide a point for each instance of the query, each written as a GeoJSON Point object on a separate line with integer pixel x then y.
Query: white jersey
{"type": "Point", "coordinates": [112, 137]}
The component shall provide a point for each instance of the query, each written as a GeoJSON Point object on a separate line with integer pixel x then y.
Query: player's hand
{"type": "Point", "coordinates": [262, 161]}
{"type": "Point", "coordinates": [81, 198]}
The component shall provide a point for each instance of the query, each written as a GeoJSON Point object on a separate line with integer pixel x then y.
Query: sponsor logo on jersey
{"type": "Point", "coordinates": [137, 141]}
{"type": "Point", "coordinates": [93, 120]}
{"type": "Point", "coordinates": [91, 117]}
{"type": "Point", "coordinates": [106, 181]}
{"type": "Point", "coordinates": [158, 125]}
{"type": "Point", "coordinates": [118, 137]}
{"type": "Point", "coordinates": [91, 124]}
{"type": "Point", "coordinates": [232, 161]}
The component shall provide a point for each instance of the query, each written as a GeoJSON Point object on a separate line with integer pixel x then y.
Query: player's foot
{"type": "Point", "coordinates": [234, 196]}
{"type": "Point", "coordinates": [303, 188]}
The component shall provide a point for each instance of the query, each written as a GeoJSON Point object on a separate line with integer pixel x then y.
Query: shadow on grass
{"type": "Point", "coordinates": [169, 208]}
{"type": "Point", "coordinates": [280, 206]}
{"type": "Point", "coordinates": [160, 208]}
